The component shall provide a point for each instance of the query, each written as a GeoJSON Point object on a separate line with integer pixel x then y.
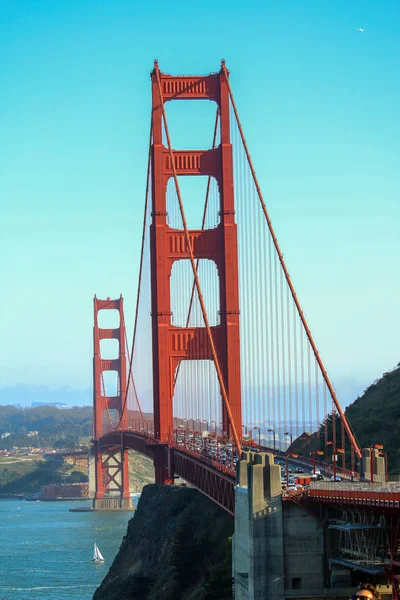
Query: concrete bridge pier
{"type": "Point", "coordinates": [258, 552]}
{"type": "Point", "coordinates": [371, 457]}
{"type": "Point", "coordinates": [117, 469]}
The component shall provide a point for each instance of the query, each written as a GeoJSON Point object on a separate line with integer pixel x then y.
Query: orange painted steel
{"type": "Point", "coordinates": [102, 403]}
{"type": "Point", "coordinates": [325, 375]}
{"type": "Point", "coordinates": [211, 478]}
{"type": "Point", "coordinates": [171, 344]}
{"type": "Point", "coordinates": [211, 481]}
{"type": "Point", "coordinates": [357, 497]}
{"type": "Point", "coordinates": [203, 223]}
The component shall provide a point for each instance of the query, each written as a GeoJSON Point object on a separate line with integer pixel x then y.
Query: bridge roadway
{"type": "Point", "coordinates": [356, 494]}
{"type": "Point", "coordinates": [213, 474]}
{"type": "Point", "coordinates": [213, 479]}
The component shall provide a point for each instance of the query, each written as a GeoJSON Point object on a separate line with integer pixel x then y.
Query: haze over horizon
{"type": "Point", "coordinates": [318, 102]}
{"type": "Point", "coordinates": [347, 389]}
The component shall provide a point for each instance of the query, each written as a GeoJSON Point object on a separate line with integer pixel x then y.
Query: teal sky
{"type": "Point", "coordinates": [319, 102]}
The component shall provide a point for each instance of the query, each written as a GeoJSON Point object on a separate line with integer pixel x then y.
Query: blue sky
{"type": "Point", "coordinates": [319, 104]}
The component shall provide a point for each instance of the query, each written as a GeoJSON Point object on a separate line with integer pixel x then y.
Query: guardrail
{"type": "Point", "coordinates": [360, 494]}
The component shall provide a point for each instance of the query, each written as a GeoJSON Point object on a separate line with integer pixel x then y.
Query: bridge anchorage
{"type": "Point", "coordinates": [224, 378]}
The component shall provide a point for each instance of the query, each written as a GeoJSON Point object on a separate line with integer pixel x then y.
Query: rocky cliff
{"type": "Point", "coordinates": [177, 547]}
{"type": "Point", "coordinates": [141, 471]}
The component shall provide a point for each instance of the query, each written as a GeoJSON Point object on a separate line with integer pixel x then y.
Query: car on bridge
{"type": "Point", "coordinates": [299, 470]}
{"type": "Point", "coordinates": [336, 478]}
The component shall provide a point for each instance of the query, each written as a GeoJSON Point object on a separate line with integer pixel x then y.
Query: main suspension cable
{"type": "Point", "coordinates": [140, 279]}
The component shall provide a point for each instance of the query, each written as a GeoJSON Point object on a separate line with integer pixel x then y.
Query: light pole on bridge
{"type": "Point", "coordinates": [287, 467]}
{"type": "Point", "coordinates": [291, 437]}
{"type": "Point", "coordinates": [320, 453]}
{"type": "Point", "coordinates": [310, 437]}
{"type": "Point", "coordinates": [273, 431]}
{"type": "Point", "coordinates": [259, 436]}
{"type": "Point", "coordinates": [334, 457]}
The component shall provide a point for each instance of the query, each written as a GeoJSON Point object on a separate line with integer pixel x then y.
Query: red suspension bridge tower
{"type": "Point", "coordinates": [172, 344]}
{"type": "Point", "coordinates": [111, 465]}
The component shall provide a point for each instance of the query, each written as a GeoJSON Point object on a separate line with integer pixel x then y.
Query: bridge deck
{"type": "Point", "coordinates": [361, 494]}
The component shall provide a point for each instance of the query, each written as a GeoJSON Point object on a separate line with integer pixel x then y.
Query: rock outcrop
{"type": "Point", "coordinates": [178, 546]}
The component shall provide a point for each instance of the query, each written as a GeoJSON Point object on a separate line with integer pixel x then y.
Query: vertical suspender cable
{"type": "Point", "coordinates": [325, 416]}
{"type": "Point", "coordinates": [309, 387]}
{"type": "Point", "coordinates": [296, 387]}
{"type": "Point", "coordinates": [303, 399]}
{"type": "Point", "coordinates": [349, 432]}
{"type": "Point", "coordinates": [343, 434]}
{"type": "Point", "coordinates": [271, 308]}
{"type": "Point", "coordinates": [283, 354]}
{"type": "Point", "coordinates": [140, 274]}
{"type": "Point", "coordinates": [278, 375]}
{"type": "Point", "coordinates": [133, 381]}
{"type": "Point", "coordinates": [317, 415]}
{"type": "Point", "coordinates": [334, 433]}
{"type": "Point", "coordinates": [290, 399]}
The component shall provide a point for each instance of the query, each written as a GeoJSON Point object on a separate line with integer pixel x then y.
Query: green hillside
{"type": "Point", "coordinates": [56, 427]}
{"type": "Point", "coordinates": [375, 416]}
{"type": "Point", "coordinates": [27, 474]}
{"type": "Point", "coordinates": [51, 427]}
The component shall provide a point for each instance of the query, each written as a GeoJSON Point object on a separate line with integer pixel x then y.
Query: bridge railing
{"type": "Point", "coordinates": [307, 462]}
{"type": "Point", "coordinates": [142, 426]}
{"type": "Point", "coordinates": [212, 463]}
{"type": "Point", "coordinates": [359, 486]}
{"type": "Point", "coordinates": [217, 451]}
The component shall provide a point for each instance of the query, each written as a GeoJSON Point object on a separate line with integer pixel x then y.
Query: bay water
{"type": "Point", "coordinates": [46, 551]}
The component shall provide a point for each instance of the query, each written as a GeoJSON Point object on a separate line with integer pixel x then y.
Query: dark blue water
{"type": "Point", "coordinates": [46, 551]}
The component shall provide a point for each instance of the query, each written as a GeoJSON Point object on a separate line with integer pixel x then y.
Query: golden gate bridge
{"type": "Point", "coordinates": [221, 346]}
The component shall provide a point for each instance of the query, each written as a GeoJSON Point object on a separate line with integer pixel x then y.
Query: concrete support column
{"type": "Point", "coordinates": [378, 465]}
{"type": "Point", "coordinates": [258, 563]}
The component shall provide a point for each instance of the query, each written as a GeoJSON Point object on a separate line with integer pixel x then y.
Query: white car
{"type": "Point", "coordinates": [337, 478]}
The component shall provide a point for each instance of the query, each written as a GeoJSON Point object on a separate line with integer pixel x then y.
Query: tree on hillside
{"type": "Point", "coordinates": [374, 418]}
{"type": "Point", "coordinates": [51, 422]}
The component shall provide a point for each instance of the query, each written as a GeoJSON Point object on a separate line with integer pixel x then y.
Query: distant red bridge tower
{"type": "Point", "coordinates": [111, 465]}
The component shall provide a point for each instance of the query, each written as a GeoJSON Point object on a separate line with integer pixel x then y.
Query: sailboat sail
{"type": "Point", "coordinates": [97, 556]}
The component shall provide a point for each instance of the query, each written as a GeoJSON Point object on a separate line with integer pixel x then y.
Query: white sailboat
{"type": "Point", "coordinates": [97, 556]}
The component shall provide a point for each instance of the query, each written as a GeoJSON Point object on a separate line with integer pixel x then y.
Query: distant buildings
{"type": "Point", "coordinates": [55, 404]}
